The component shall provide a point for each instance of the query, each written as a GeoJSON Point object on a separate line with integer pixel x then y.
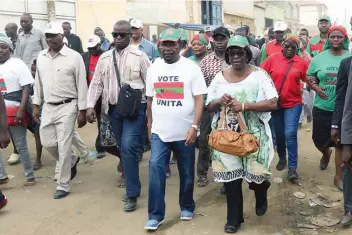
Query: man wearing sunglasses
{"type": "Point", "coordinates": [131, 70]}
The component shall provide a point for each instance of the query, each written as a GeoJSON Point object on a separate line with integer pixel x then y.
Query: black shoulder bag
{"type": "Point", "coordinates": [129, 99]}
{"type": "Point", "coordinates": [282, 85]}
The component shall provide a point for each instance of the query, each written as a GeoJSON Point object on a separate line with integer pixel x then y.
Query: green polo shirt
{"type": "Point", "coordinates": [315, 45]}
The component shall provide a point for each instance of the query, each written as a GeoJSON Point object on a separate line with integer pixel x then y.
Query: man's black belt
{"type": "Point", "coordinates": [61, 102]}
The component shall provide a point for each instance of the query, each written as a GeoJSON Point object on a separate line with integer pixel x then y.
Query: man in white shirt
{"type": "Point", "coordinates": [175, 87]}
{"type": "Point", "coordinates": [61, 87]}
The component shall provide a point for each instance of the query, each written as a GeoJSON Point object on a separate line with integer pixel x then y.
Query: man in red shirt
{"type": "Point", "coordinates": [275, 45]}
{"type": "Point", "coordinates": [90, 59]}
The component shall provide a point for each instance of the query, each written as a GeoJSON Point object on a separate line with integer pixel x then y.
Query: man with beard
{"type": "Point", "coordinates": [61, 86]}
{"type": "Point", "coordinates": [274, 46]}
{"type": "Point", "coordinates": [210, 66]}
{"type": "Point", "coordinates": [316, 44]}
{"type": "Point", "coordinates": [175, 87]}
{"type": "Point", "coordinates": [125, 67]}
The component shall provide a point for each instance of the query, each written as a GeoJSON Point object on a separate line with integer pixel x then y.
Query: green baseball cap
{"type": "Point", "coordinates": [327, 18]}
{"type": "Point", "coordinates": [238, 41]}
{"type": "Point", "coordinates": [170, 34]}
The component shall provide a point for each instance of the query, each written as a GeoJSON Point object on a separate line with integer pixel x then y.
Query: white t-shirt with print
{"type": "Point", "coordinates": [173, 87]}
{"type": "Point", "coordinates": [14, 74]}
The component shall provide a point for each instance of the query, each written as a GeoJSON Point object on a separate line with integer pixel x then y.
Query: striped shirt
{"type": "Point", "coordinates": [211, 65]}
{"type": "Point", "coordinates": [132, 64]}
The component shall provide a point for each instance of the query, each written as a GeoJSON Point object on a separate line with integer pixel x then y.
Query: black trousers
{"type": "Point", "coordinates": [234, 199]}
{"type": "Point", "coordinates": [204, 150]}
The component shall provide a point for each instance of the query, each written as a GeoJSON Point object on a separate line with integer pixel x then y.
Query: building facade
{"type": "Point", "coordinates": [310, 12]}
{"type": "Point", "coordinates": [239, 13]}
{"type": "Point", "coordinates": [64, 10]}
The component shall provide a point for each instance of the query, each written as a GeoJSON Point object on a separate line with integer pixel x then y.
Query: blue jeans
{"type": "Point", "coordinates": [127, 133]}
{"type": "Point", "coordinates": [285, 121]}
{"type": "Point", "coordinates": [158, 166]}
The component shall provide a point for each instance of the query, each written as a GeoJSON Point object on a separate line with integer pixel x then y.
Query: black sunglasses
{"type": "Point", "coordinates": [122, 35]}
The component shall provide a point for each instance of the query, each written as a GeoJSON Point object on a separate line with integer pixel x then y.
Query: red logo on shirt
{"type": "Point", "coordinates": [2, 85]}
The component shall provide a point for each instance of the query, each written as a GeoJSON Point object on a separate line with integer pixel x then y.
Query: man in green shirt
{"type": "Point", "coordinates": [316, 44]}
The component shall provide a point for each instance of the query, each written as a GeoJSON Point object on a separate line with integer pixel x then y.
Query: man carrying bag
{"type": "Point", "coordinates": [120, 78]}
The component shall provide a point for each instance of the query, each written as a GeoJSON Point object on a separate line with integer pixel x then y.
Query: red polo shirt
{"type": "Point", "coordinates": [270, 48]}
{"type": "Point", "coordinates": [277, 65]}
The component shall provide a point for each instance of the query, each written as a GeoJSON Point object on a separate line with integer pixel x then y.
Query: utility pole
{"type": "Point", "coordinates": [51, 10]}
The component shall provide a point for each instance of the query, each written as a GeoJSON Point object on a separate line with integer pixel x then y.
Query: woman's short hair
{"type": "Point", "coordinates": [246, 49]}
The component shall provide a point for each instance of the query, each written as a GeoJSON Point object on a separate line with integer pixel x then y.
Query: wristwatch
{"type": "Point", "coordinates": [195, 127]}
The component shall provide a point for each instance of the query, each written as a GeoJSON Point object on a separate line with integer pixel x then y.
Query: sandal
{"type": "Point", "coordinates": [121, 183]}
{"type": "Point", "coordinates": [29, 183]}
{"type": "Point", "coordinates": [324, 161]}
{"type": "Point", "coordinates": [37, 166]}
{"type": "Point", "coordinates": [202, 181]}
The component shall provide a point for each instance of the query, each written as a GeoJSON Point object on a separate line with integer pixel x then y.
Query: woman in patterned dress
{"type": "Point", "coordinates": [248, 90]}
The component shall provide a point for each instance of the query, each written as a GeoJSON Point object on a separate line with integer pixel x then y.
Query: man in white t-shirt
{"type": "Point", "coordinates": [175, 87]}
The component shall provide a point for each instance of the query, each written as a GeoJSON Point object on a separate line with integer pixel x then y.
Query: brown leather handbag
{"type": "Point", "coordinates": [231, 142]}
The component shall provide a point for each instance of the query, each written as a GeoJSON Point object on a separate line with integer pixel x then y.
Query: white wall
{"type": "Point", "coordinates": [259, 21]}
{"type": "Point", "coordinates": [11, 11]}
{"type": "Point", "coordinates": [244, 8]}
{"type": "Point", "coordinates": [158, 11]}
{"type": "Point", "coordinates": [309, 15]}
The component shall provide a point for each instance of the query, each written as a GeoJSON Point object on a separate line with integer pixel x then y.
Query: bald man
{"type": "Point", "coordinates": [31, 41]}
{"type": "Point", "coordinates": [11, 32]}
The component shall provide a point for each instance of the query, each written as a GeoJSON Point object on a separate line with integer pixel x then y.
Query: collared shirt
{"type": "Point", "coordinates": [132, 65]}
{"type": "Point", "coordinates": [315, 45]}
{"type": "Point", "coordinates": [148, 48]}
{"type": "Point", "coordinates": [30, 45]}
{"type": "Point", "coordinates": [60, 77]}
{"type": "Point", "coordinates": [211, 65]}
{"type": "Point", "coordinates": [269, 49]}
{"type": "Point", "coordinates": [276, 66]}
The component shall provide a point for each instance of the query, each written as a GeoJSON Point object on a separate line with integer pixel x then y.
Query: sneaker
{"type": "Point", "coordinates": [14, 159]}
{"type": "Point", "coordinates": [152, 225]}
{"type": "Point", "coordinates": [186, 215]}
{"type": "Point", "coordinates": [131, 204]}
{"type": "Point", "coordinates": [95, 154]}
{"type": "Point", "coordinates": [3, 203]}
{"type": "Point", "coordinates": [346, 219]}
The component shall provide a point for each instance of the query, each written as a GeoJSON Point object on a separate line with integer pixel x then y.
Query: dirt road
{"type": "Point", "coordinates": [95, 206]}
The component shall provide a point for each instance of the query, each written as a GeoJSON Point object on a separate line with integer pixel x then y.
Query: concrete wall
{"type": "Point", "coordinates": [102, 13]}
{"type": "Point", "coordinates": [259, 21]}
{"type": "Point", "coordinates": [238, 13]}
{"type": "Point", "coordinates": [275, 13]}
{"type": "Point", "coordinates": [11, 11]}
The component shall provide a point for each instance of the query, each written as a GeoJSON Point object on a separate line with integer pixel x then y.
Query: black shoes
{"type": "Point", "coordinates": [292, 174]}
{"type": "Point", "coordinates": [231, 228]}
{"type": "Point", "coordinates": [59, 194]}
{"type": "Point", "coordinates": [131, 204]}
{"type": "Point", "coordinates": [281, 165]}
{"type": "Point", "coordinates": [261, 197]}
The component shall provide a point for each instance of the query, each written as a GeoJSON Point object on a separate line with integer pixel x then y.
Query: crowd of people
{"type": "Point", "coordinates": [135, 89]}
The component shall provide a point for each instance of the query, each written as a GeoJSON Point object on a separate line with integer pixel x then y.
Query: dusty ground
{"type": "Point", "coordinates": [95, 206]}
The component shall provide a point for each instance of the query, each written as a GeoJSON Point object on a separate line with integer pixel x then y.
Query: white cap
{"type": "Point", "coordinates": [136, 24]}
{"type": "Point", "coordinates": [65, 41]}
{"type": "Point", "coordinates": [54, 28]}
{"type": "Point", "coordinates": [93, 41]}
{"type": "Point", "coordinates": [207, 29]}
{"type": "Point", "coordinates": [280, 26]}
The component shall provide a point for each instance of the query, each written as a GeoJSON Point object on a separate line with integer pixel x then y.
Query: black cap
{"type": "Point", "coordinates": [221, 31]}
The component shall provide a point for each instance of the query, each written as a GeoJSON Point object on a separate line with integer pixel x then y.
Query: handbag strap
{"type": "Point", "coordinates": [286, 74]}
{"type": "Point", "coordinates": [241, 123]}
{"type": "Point", "coordinates": [116, 68]}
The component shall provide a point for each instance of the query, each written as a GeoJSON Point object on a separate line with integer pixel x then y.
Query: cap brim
{"type": "Point", "coordinates": [222, 34]}
{"type": "Point", "coordinates": [53, 32]}
{"type": "Point", "coordinates": [324, 19]}
{"type": "Point", "coordinates": [240, 46]}
{"type": "Point", "coordinates": [282, 30]}
{"type": "Point", "coordinates": [170, 40]}
{"type": "Point", "coordinates": [91, 45]}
